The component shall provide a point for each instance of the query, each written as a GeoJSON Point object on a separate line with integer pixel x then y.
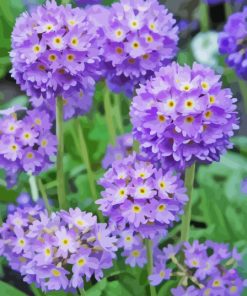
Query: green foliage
{"type": "Point", "coordinates": [9, 290]}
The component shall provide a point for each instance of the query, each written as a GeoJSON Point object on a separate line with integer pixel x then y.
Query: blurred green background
{"type": "Point", "coordinates": [220, 196]}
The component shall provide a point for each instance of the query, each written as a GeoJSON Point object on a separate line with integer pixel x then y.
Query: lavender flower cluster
{"type": "Point", "coordinates": [232, 42]}
{"type": "Point", "coordinates": [138, 194]}
{"type": "Point", "coordinates": [26, 144]}
{"type": "Point", "coordinates": [206, 269]}
{"type": "Point", "coordinates": [56, 52]}
{"type": "Point", "coordinates": [183, 115]}
{"type": "Point", "coordinates": [122, 148]}
{"type": "Point", "coordinates": [141, 36]}
{"type": "Point", "coordinates": [56, 252]}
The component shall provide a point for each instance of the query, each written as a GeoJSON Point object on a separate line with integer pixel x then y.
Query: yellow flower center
{"type": "Point", "coordinates": [41, 67]}
{"type": "Point", "coordinates": [47, 251]}
{"type": "Point", "coordinates": [161, 118]}
{"type": "Point", "coordinates": [49, 27]}
{"type": "Point", "coordinates": [56, 272]}
{"type": "Point", "coordinates": [146, 56]}
{"type": "Point", "coordinates": [57, 40]}
{"type": "Point", "coordinates": [70, 57]}
{"type": "Point", "coordinates": [162, 274]}
{"type": "Point", "coordinates": [171, 104]}
{"type": "Point", "coordinates": [204, 85]}
{"type": "Point", "coordinates": [29, 155]}
{"type": "Point", "coordinates": [11, 128]}
{"type": "Point", "coordinates": [186, 87]}
{"type": "Point", "coordinates": [65, 241]}
{"type": "Point", "coordinates": [119, 50]}
{"type": "Point", "coordinates": [52, 57]}
{"type": "Point", "coordinates": [162, 185]}
{"type": "Point", "coordinates": [22, 242]}
{"type": "Point", "coordinates": [152, 26]}
{"type": "Point", "coordinates": [27, 136]}
{"type": "Point", "coordinates": [74, 41]}
{"type": "Point", "coordinates": [135, 45]}
{"type": "Point", "coordinates": [149, 39]}
{"type": "Point", "coordinates": [13, 147]}
{"type": "Point", "coordinates": [207, 292]}
{"type": "Point", "coordinates": [44, 143]}
{"type": "Point", "coordinates": [161, 208]}
{"type": "Point", "coordinates": [119, 33]}
{"type": "Point", "coordinates": [36, 48]}
{"type": "Point", "coordinates": [81, 262]}
{"type": "Point", "coordinates": [128, 238]}
{"type": "Point", "coordinates": [72, 22]}
{"type": "Point", "coordinates": [131, 61]}
{"type": "Point", "coordinates": [208, 114]}
{"type": "Point", "coordinates": [80, 222]}
{"type": "Point", "coordinates": [136, 209]}
{"type": "Point", "coordinates": [135, 253]}
{"type": "Point", "coordinates": [189, 104]}
{"type": "Point", "coordinates": [194, 263]}
{"type": "Point", "coordinates": [216, 283]}
{"type": "Point", "coordinates": [142, 190]}
{"type": "Point", "coordinates": [121, 192]}
{"type": "Point", "coordinates": [37, 121]}
{"type": "Point", "coordinates": [189, 119]}
{"type": "Point", "coordinates": [212, 99]}
{"type": "Point", "coordinates": [233, 289]}
{"type": "Point", "coordinates": [134, 23]}
{"type": "Point", "coordinates": [142, 175]}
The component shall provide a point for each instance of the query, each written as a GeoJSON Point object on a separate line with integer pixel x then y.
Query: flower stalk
{"type": "Point", "coordinates": [149, 246]}
{"type": "Point", "coordinates": [44, 195]}
{"type": "Point", "coordinates": [204, 17]}
{"type": "Point", "coordinates": [109, 116]}
{"type": "Point", "coordinates": [189, 182]}
{"type": "Point", "coordinates": [60, 153]}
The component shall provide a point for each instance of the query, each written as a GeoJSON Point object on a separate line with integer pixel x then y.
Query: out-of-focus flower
{"type": "Point", "coordinates": [205, 48]}
{"type": "Point", "coordinates": [123, 147]}
{"type": "Point", "coordinates": [183, 115]}
{"type": "Point", "coordinates": [138, 194]}
{"type": "Point", "coordinates": [232, 42]}
{"type": "Point", "coordinates": [57, 252]}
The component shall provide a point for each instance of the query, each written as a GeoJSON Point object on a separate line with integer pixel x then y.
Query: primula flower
{"type": "Point", "coordinates": [140, 36]}
{"type": "Point", "coordinates": [26, 144]}
{"type": "Point", "coordinates": [56, 252]}
{"type": "Point", "coordinates": [232, 42]}
{"type": "Point", "coordinates": [56, 52]}
{"type": "Point", "coordinates": [204, 270]}
{"type": "Point", "coordinates": [182, 115]}
{"type": "Point", "coordinates": [123, 147]}
{"type": "Point", "coordinates": [138, 194]}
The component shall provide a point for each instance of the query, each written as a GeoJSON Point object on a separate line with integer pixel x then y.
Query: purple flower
{"type": "Point", "coordinates": [138, 194]}
{"type": "Point", "coordinates": [27, 144]}
{"type": "Point", "coordinates": [182, 115]}
{"type": "Point", "coordinates": [202, 269]}
{"type": "Point", "coordinates": [87, 2]}
{"type": "Point", "coordinates": [57, 252]}
{"type": "Point", "coordinates": [140, 36]}
{"type": "Point", "coordinates": [231, 42]}
{"type": "Point", "coordinates": [56, 52]}
{"type": "Point", "coordinates": [136, 256]}
{"type": "Point", "coordinates": [123, 147]}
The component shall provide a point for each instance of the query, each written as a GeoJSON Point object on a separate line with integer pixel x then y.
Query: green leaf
{"type": "Point", "coordinates": [6, 289]}
{"type": "Point", "coordinates": [115, 288]}
{"type": "Point", "coordinates": [165, 290]}
{"type": "Point", "coordinates": [97, 289]}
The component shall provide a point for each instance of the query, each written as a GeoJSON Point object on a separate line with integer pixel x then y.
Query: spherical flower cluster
{"type": "Point", "coordinates": [207, 269]}
{"type": "Point", "coordinates": [123, 147]}
{"type": "Point", "coordinates": [141, 36]}
{"type": "Point", "coordinates": [56, 52]}
{"type": "Point", "coordinates": [56, 252]}
{"type": "Point", "coordinates": [183, 115]}
{"type": "Point", "coordinates": [232, 42]}
{"type": "Point", "coordinates": [27, 144]}
{"type": "Point", "coordinates": [138, 194]}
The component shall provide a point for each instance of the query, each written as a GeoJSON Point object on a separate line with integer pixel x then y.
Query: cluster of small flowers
{"type": "Point", "coordinates": [56, 252]}
{"type": "Point", "coordinates": [141, 36]}
{"type": "Point", "coordinates": [122, 148]}
{"type": "Point", "coordinates": [138, 194]}
{"type": "Point", "coordinates": [24, 200]}
{"type": "Point", "coordinates": [56, 52]}
{"type": "Point", "coordinates": [232, 42]}
{"type": "Point", "coordinates": [183, 115]}
{"type": "Point", "coordinates": [26, 144]}
{"type": "Point", "coordinates": [207, 269]}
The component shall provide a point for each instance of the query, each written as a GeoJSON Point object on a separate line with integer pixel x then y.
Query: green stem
{"type": "Point", "coordinates": [243, 88]}
{"type": "Point", "coordinates": [85, 158]}
{"type": "Point", "coordinates": [81, 292]}
{"type": "Point", "coordinates": [44, 195]}
{"type": "Point", "coordinates": [149, 246]}
{"type": "Point", "coordinates": [118, 113]}
{"type": "Point", "coordinates": [228, 9]}
{"type": "Point", "coordinates": [189, 182]}
{"type": "Point", "coordinates": [33, 187]}
{"type": "Point", "coordinates": [204, 16]}
{"type": "Point", "coordinates": [60, 152]}
{"type": "Point", "coordinates": [109, 116]}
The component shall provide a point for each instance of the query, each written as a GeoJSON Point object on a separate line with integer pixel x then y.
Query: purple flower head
{"type": "Point", "coordinates": [203, 270]}
{"type": "Point", "coordinates": [232, 42]}
{"type": "Point", "coordinates": [26, 144]}
{"type": "Point", "coordinates": [136, 193]}
{"type": "Point", "coordinates": [56, 52]}
{"type": "Point", "coordinates": [183, 115]}
{"type": "Point", "coordinates": [57, 252]}
{"type": "Point", "coordinates": [140, 37]}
